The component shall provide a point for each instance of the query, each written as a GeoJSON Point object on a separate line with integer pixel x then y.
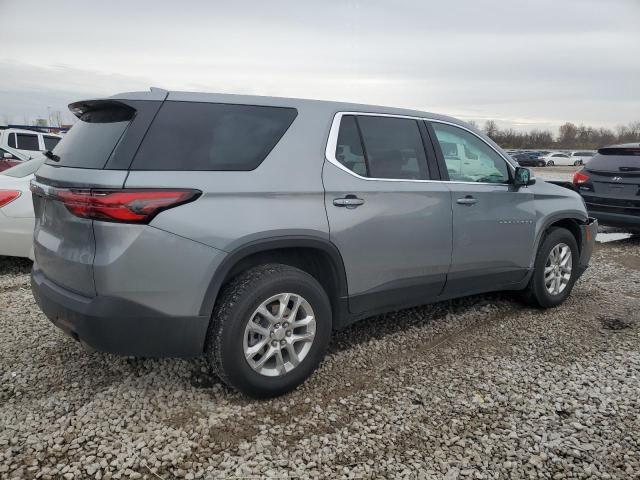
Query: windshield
{"type": "Point", "coordinates": [26, 168]}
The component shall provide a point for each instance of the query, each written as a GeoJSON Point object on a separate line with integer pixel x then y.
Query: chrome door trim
{"type": "Point", "coordinates": [332, 143]}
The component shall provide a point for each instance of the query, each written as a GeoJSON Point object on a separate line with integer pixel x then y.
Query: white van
{"type": "Point", "coordinates": [28, 142]}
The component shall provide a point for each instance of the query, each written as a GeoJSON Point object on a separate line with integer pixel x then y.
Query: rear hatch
{"type": "Point", "coordinates": [94, 155]}
{"type": "Point", "coordinates": [613, 183]}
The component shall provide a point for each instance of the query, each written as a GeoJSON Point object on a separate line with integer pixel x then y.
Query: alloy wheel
{"type": "Point", "coordinates": [279, 334]}
{"type": "Point", "coordinates": [557, 269]}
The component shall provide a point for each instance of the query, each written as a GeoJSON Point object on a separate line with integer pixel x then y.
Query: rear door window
{"type": "Point", "coordinates": [349, 151]}
{"type": "Point", "coordinates": [393, 147]}
{"type": "Point", "coordinates": [27, 141]}
{"type": "Point", "coordinates": [382, 147]}
{"type": "Point", "coordinates": [212, 136]}
{"type": "Point", "coordinates": [50, 142]}
{"type": "Point", "coordinates": [12, 140]}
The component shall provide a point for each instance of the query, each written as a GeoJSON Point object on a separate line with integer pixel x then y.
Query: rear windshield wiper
{"type": "Point", "coordinates": [51, 156]}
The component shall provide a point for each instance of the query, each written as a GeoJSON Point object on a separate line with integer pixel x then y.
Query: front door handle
{"type": "Point", "coordinates": [349, 201]}
{"type": "Point", "coordinates": [468, 200]}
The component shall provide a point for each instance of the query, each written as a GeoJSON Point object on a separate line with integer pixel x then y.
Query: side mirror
{"type": "Point", "coordinates": [523, 177]}
{"type": "Point", "coordinates": [7, 155]}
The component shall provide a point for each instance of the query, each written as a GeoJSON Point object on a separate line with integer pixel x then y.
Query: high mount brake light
{"type": "Point", "coordinates": [126, 205]}
{"type": "Point", "coordinates": [579, 178]}
{"type": "Point", "coordinates": [8, 196]}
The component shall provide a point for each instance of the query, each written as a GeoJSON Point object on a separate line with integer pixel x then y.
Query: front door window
{"type": "Point", "coordinates": [468, 158]}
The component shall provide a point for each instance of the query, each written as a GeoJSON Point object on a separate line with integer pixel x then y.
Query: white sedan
{"type": "Point", "coordinates": [556, 158]}
{"type": "Point", "coordinates": [16, 209]}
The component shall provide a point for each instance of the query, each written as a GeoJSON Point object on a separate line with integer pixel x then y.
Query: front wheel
{"type": "Point", "coordinates": [577, 163]}
{"type": "Point", "coordinates": [555, 269]}
{"type": "Point", "coordinates": [550, 163]}
{"type": "Point", "coordinates": [270, 330]}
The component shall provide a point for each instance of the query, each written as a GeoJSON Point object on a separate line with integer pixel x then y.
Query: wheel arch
{"type": "Point", "coordinates": [316, 256]}
{"type": "Point", "coordinates": [569, 222]}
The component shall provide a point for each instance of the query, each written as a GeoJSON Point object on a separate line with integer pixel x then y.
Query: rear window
{"type": "Point", "coordinates": [50, 142]}
{"type": "Point", "coordinates": [212, 136]}
{"type": "Point", "coordinates": [93, 137]}
{"type": "Point", "coordinates": [615, 159]}
{"type": "Point", "coordinates": [27, 141]}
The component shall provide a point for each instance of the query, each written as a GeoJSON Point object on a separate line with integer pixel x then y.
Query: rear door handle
{"type": "Point", "coordinates": [349, 201]}
{"type": "Point", "coordinates": [468, 200]}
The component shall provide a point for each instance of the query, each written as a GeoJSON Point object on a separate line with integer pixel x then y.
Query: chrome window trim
{"type": "Point", "coordinates": [332, 143]}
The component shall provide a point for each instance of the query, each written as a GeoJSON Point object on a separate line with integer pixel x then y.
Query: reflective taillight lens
{"type": "Point", "coordinates": [579, 178]}
{"type": "Point", "coordinates": [128, 206]}
{"type": "Point", "coordinates": [8, 196]}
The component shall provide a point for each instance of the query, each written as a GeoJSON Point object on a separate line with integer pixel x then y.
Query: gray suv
{"type": "Point", "coordinates": [249, 228]}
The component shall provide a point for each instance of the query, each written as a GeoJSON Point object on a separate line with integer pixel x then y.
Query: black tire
{"type": "Point", "coordinates": [542, 164]}
{"type": "Point", "coordinates": [577, 163]}
{"type": "Point", "coordinates": [536, 293]}
{"type": "Point", "coordinates": [550, 163]}
{"type": "Point", "coordinates": [234, 308]}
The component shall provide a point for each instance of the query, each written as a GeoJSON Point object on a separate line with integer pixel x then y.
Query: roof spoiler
{"type": "Point", "coordinates": [117, 101]}
{"type": "Point", "coordinates": [110, 110]}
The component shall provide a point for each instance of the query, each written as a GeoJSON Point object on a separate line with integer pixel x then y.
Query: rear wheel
{"type": "Point", "coordinates": [555, 269]}
{"type": "Point", "coordinates": [577, 163]}
{"type": "Point", "coordinates": [270, 330]}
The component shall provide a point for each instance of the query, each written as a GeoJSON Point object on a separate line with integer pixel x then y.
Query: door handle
{"type": "Point", "coordinates": [468, 200]}
{"type": "Point", "coordinates": [349, 201]}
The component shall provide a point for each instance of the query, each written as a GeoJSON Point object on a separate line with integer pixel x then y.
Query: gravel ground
{"type": "Point", "coordinates": [482, 387]}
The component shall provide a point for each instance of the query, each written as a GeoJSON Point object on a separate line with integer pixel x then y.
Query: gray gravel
{"type": "Point", "coordinates": [555, 173]}
{"type": "Point", "coordinates": [477, 388]}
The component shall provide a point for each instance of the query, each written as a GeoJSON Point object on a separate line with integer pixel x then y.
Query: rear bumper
{"type": "Point", "coordinates": [119, 326]}
{"type": "Point", "coordinates": [588, 231]}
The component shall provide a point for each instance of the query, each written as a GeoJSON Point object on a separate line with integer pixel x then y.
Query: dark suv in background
{"type": "Point", "coordinates": [529, 159]}
{"type": "Point", "coordinates": [610, 186]}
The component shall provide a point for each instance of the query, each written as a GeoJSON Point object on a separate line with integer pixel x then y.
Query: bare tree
{"type": "Point", "coordinates": [570, 136]}
{"type": "Point", "coordinates": [567, 135]}
{"type": "Point", "coordinates": [491, 128]}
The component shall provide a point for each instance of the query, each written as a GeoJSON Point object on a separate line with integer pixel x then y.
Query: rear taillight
{"type": "Point", "coordinates": [128, 206]}
{"type": "Point", "coordinates": [580, 178]}
{"type": "Point", "coordinates": [8, 196]}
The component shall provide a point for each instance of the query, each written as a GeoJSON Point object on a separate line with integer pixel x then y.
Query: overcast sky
{"type": "Point", "coordinates": [523, 63]}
